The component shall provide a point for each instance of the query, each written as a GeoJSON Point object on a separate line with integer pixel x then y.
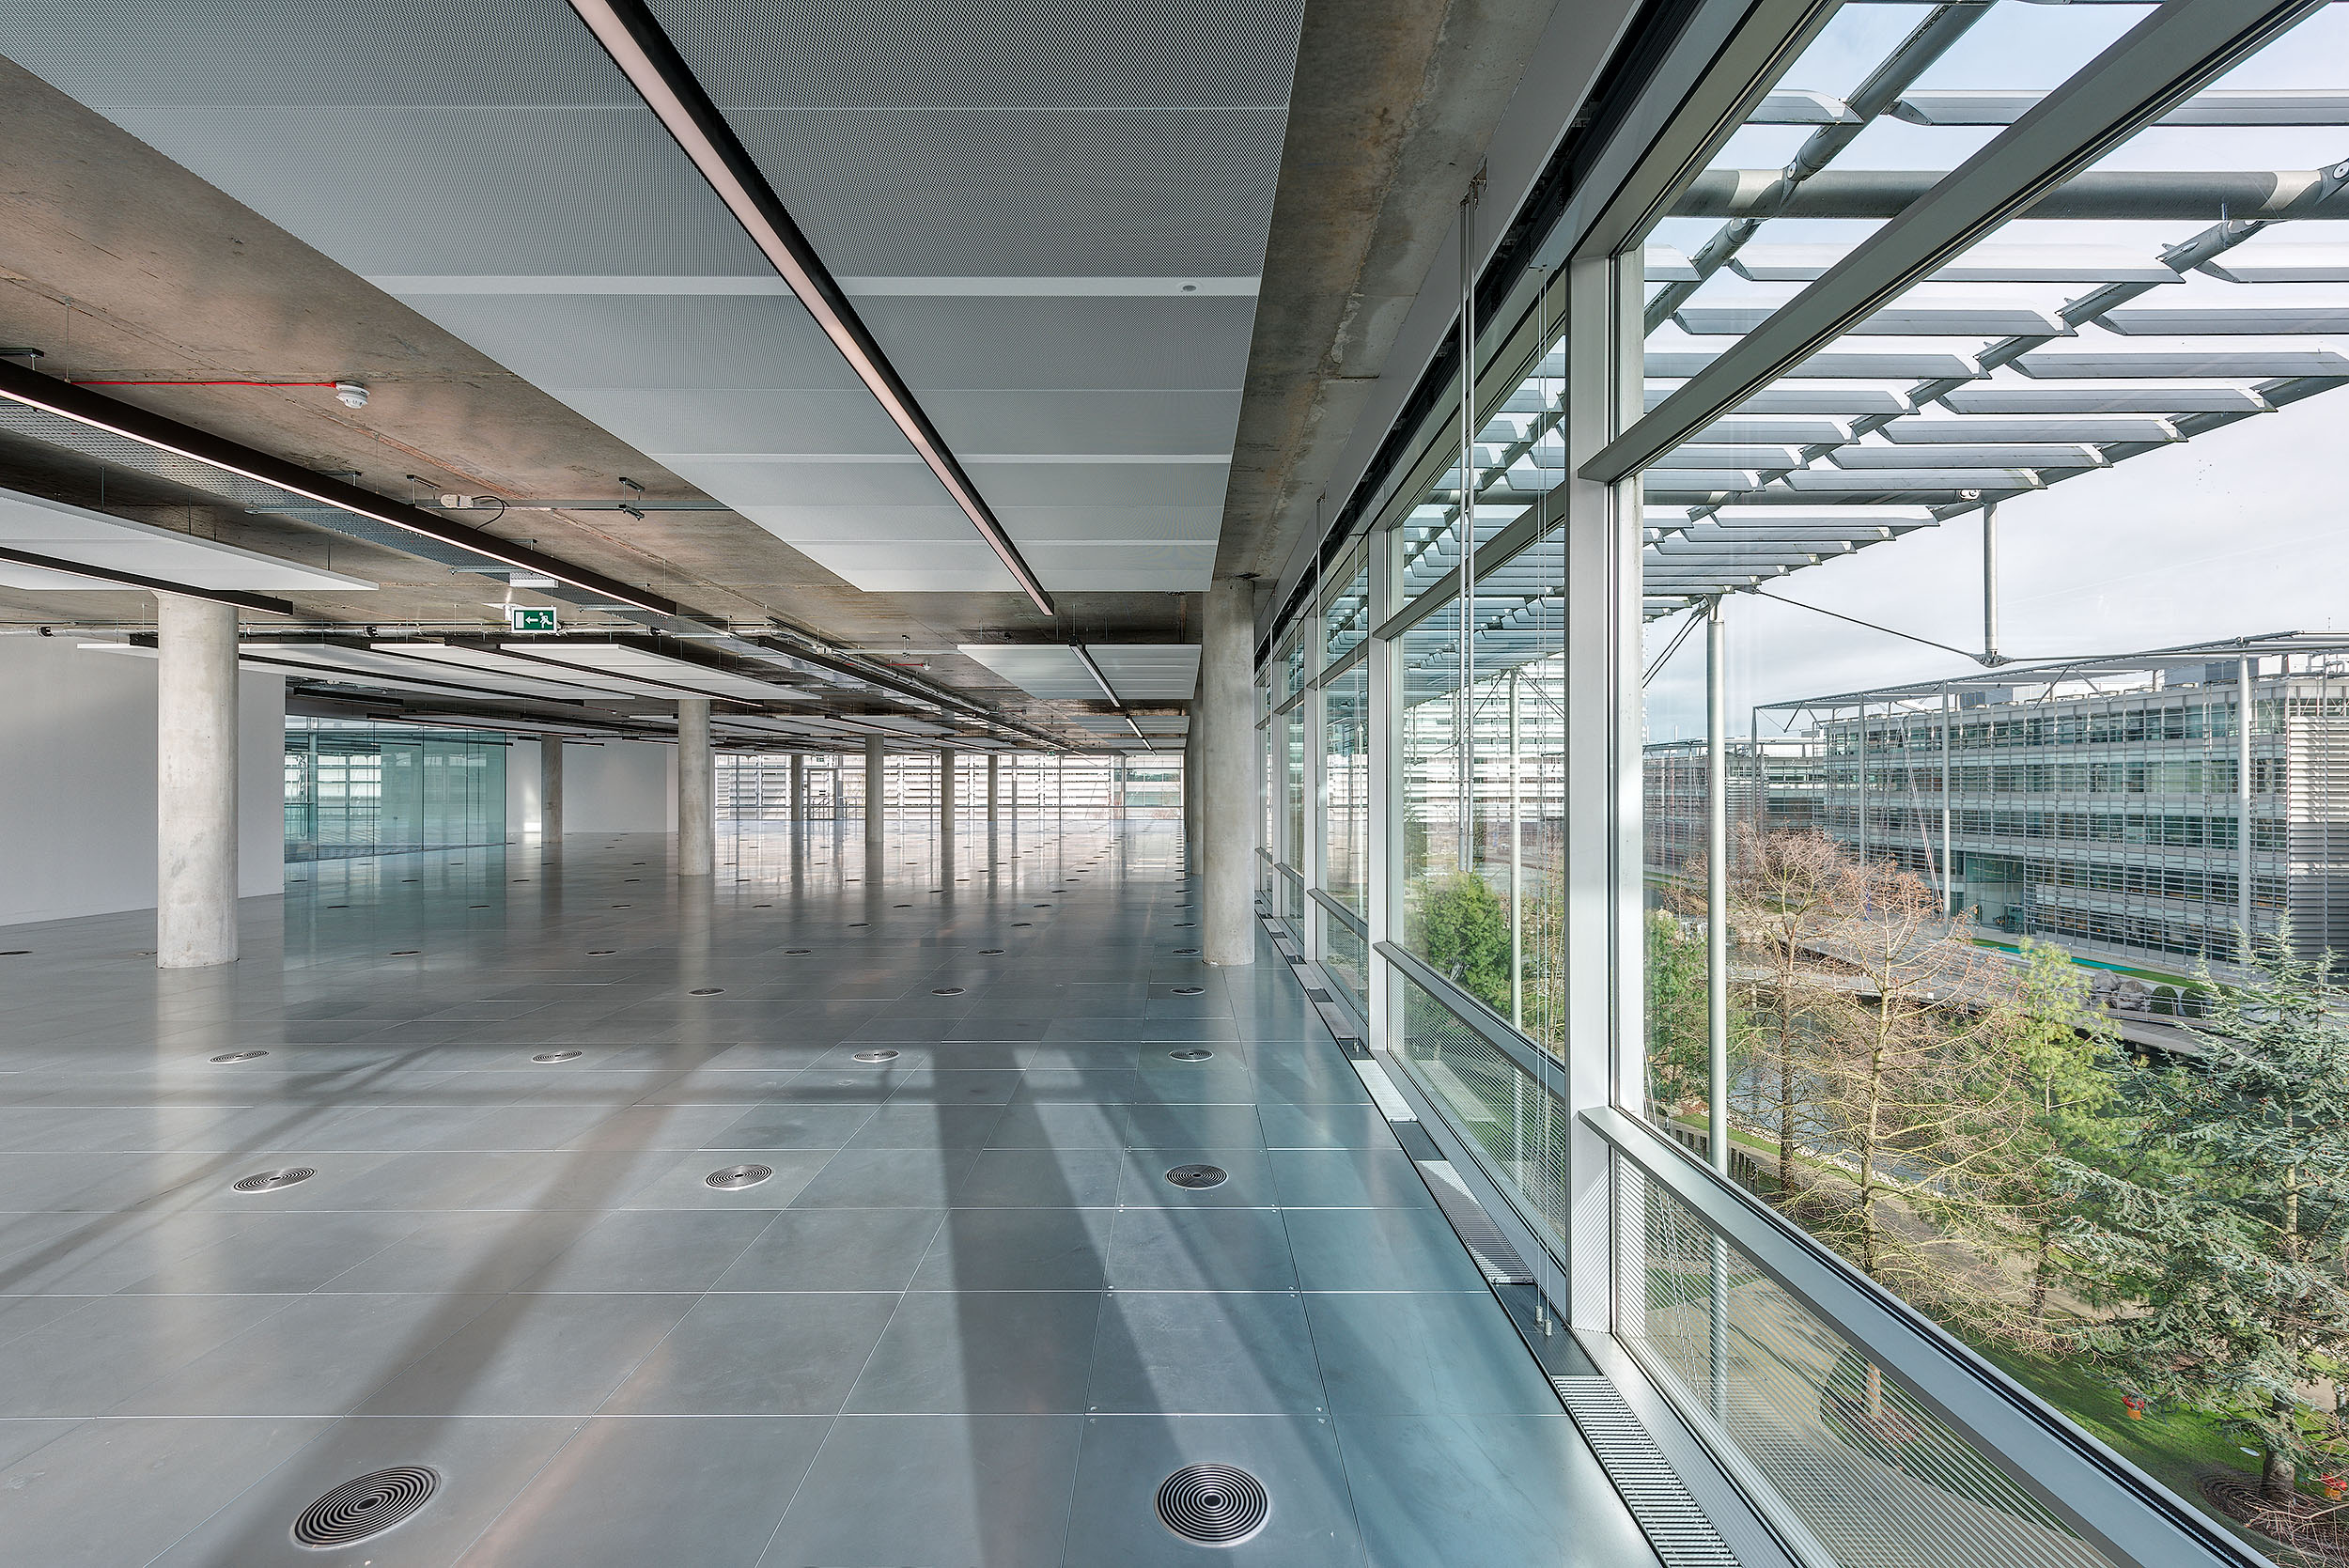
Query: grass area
{"type": "Point", "coordinates": [2174, 1446]}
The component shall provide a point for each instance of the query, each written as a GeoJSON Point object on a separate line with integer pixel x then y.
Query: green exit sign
{"type": "Point", "coordinates": [530, 617]}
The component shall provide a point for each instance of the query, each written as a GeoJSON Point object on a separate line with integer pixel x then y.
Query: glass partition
{"type": "Point", "coordinates": [355, 790]}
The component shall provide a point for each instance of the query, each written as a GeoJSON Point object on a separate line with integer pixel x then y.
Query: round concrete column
{"type": "Point", "coordinates": [196, 782]}
{"type": "Point", "coordinates": [696, 791]}
{"type": "Point", "coordinates": [550, 792]}
{"type": "Point", "coordinates": [946, 802]}
{"type": "Point", "coordinates": [1228, 762]}
{"type": "Point", "coordinates": [994, 787]}
{"type": "Point", "coordinates": [875, 786]}
{"type": "Point", "coordinates": [799, 789]}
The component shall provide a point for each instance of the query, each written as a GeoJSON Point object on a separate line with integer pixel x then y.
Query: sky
{"type": "Point", "coordinates": [2239, 532]}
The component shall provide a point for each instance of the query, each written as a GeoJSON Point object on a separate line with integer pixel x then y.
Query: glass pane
{"type": "Point", "coordinates": [1518, 758]}
{"type": "Point", "coordinates": [1346, 787]}
{"type": "Point", "coordinates": [1446, 921]}
{"type": "Point", "coordinates": [1346, 621]}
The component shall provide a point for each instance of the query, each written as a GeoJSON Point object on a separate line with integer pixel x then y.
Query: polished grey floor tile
{"type": "Point", "coordinates": [1215, 1352]}
{"type": "Point", "coordinates": [1348, 1178]}
{"type": "Point", "coordinates": [651, 1250]}
{"type": "Point", "coordinates": [83, 1362]}
{"type": "Point", "coordinates": [1393, 1249]}
{"type": "Point", "coordinates": [889, 1178]}
{"type": "Point", "coordinates": [317, 1356]}
{"type": "Point", "coordinates": [894, 1351]}
{"type": "Point", "coordinates": [532, 1356]}
{"type": "Point", "coordinates": [1423, 1353]}
{"type": "Point", "coordinates": [109, 1492]}
{"type": "Point", "coordinates": [836, 1250]}
{"type": "Point", "coordinates": [481, 1466]}
{"type": "Point", "coordinates": [982, 1353]}
{"type": "Point", "coordinates": [1205, 1248]}
{"type": "Point", "coordinates": [1041, 1178]}
{"type": "Point", "coordinates": [1115, 1518]}
{"type": "Point", "coordinates": [1485, 1492]}
{"type": "Point", "coordinates": [971, 1491]}
{"type": "Point", "coordinates": [1145, 1180]}
{"type": "Point", "coordinates": [766, 1354]}
{"type": "Point", "coordinates": [1018, 1248]}
{"type": "Point", "coordinates": [704, 1494]}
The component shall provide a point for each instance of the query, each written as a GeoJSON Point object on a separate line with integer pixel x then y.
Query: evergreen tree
{"type": "Point", "coordinates": [1463, 931]}
{"type": "Point", "coordinates": [2235, 1240]}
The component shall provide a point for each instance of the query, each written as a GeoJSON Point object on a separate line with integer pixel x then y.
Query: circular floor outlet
{"type": "Point", "coordinates": [707, 991]}
{"type": "Point", "coordinates": [558, 1056]}
{"type": "Point", "coordinates": [859, 925]}
{"type": "Point", "coordinates": [1216, 1505]}
{"type": "Point", "coordinates": [1194, 1054]}
{"type": "Point", "coordinates": [239, 1056]}
{"type": "Point", "coordinates": [946, 991]}
{"type": "Point", "coordinates": [990, 951]}
{"type": "Point", "coordinates": [1198, 1176]}
{"type": "Point", "coordinates": [1186, 953]}
{"type": "Point", "coordinates": [901, 905]}
{"type": "Point", "coordinates": [877, 1056]}
{"type": "Point", "coordinates": [363, 1508]}
{"type": "Point", "coordinates": [601, 951]}
{"type": "Point", "coordinates": [1021, 924]}
{"type": "Point", "coordinates": [406, 952]}
{"type": "Point", "coordinates": [735, 1177]}
{"type": "Point", "coordinates": [269, 1181]}
{"type": "Point", "coordinates": [797, 952]}
{"type": "Point", "coordinates": [1191, 991]}
{"type": "Point", "coordinates": [1184, 925]}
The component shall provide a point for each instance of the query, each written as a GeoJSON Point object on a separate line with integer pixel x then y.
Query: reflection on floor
{"type": "Point", "coordinates": [966, 1320]}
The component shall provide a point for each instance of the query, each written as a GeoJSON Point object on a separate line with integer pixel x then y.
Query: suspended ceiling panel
{"type": "Point", "coordinates": [1053, 214]}
{"type": "Point", "coordinates": [1149, 673]}
{"type": "Point", "coordinates": [73, 534]}
{"type": "Point", "coordinates": [1137, 672]}
{"type": "Point", "coordinates": [681, 676]}
{"type": "Point", "coordinates": [1050, 671]}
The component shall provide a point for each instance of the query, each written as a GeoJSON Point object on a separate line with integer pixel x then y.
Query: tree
{"type": "Point", "coordinates": [2067, 1109]}
{"type": "Point", "coordinates": [2235, 1245]}
{"type": "Point", "coordinates": [1462, 928]}
{"type": "Point", "coordinates": [1678, 1053]}
{"type": "Point", "coordinates": [1787, 891]}
{"type": "Point", "coordinates": [1915, 1075]}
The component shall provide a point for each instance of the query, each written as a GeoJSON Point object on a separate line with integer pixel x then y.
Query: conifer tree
{"type": "Point", "coordinates": [2234, 1238]}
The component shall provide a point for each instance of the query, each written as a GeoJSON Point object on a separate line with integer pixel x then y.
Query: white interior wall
{"type": "Point", "coordinates": [77, 782]}
{"type": "Point", "coordinates": [521, 787]}
{"type": "Point", "coordinates": [619, 787]}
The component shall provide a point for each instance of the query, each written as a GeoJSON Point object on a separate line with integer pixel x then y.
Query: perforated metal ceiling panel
{"type": "Point", "coordinates": [1103, 171]}
{"type": "Point", "coordinates": [1146, 673]}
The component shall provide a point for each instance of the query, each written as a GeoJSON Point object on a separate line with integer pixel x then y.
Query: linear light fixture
{"type": "Point", "coordinates": [652, 62]}
{"type": "Point", "coordinates": [165, 434]}
{"type": "Point", "coordinates": [1084, 657]}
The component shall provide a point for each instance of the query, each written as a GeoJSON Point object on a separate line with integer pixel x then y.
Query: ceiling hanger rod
{"type": "Point", "coordinates": [652, 65]}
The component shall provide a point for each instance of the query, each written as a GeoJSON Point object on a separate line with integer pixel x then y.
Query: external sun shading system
{"type": "Point", "coordinates": [2015, 356]}
{"type": "Point", "coordinates": [643, 52]}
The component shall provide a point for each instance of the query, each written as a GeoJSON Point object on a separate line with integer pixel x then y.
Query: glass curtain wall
{"type": "Point", "coordinates": [1921, 1017]}
{"type": "Point", "coordinates": [375, 789]}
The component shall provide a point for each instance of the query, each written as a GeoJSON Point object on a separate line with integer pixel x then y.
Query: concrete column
{"type": "Point", "coordinates": [799, 789]}
{"type": "Point", "coordinates": [550, 792]}
{"type": "Point", "coordinates": [196, 782]}
{"type": "Point", "coordinates": [875, 786]}
{"type": "Point", "coordinates": [947, 800]}
{"type": "Point", "coordinates": [1190, 795]}
{"type": "Point", "coordinates": [994, 787]}
{"type": "Point", "coordinates": [696, 810]}
{"type": "Point", "coordinates": [1226, 664]}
